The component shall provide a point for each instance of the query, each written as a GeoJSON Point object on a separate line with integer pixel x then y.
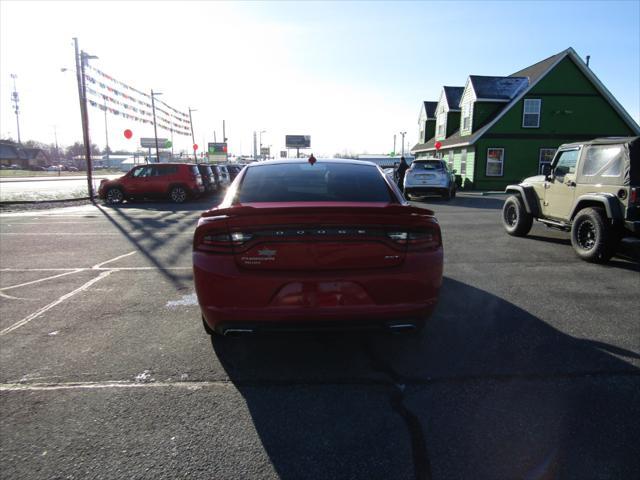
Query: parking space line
{"type": "Point", "coordinates": [98, 265]}
{"type": "Point", "coordinates": [84, 269]}
{"type": "Point", "coordinates": [32, 282]}
{"type": "Point", "coordinates": [48, 307]}
{"type": "Point", "coordinates": [8, 387]}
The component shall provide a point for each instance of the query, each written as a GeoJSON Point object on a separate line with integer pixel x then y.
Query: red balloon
{"type": "Point", "coordinates": [195, 146]}
{"type": "Point", "coordinates": [438, 145]}
{"type": "Point", "coordinates": [128, 134]}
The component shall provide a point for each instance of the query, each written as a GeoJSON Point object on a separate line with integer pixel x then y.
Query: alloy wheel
{"type": "Point", "coordinates": [587, 235]}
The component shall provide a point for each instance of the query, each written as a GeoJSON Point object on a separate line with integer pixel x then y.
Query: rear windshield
{"type": "Point", "coordinates": [435, 165]}
{"type": "Point", "coordinates": [321, 182]}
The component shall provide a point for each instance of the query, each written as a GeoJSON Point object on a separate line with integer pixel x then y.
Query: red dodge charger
{"type": "Point", "coordinates": [327, 244]}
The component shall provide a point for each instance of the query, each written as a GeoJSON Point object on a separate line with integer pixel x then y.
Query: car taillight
{"type": "Point", "coordinates": [424, 238]}
{"type": "Point", "coordinates": [220, 242]}
{"type": "Point", "coordinates": [633, 197]}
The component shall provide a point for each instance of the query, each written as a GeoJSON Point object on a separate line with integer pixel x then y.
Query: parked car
{"type": "Point", "coordinates": [175, 181]}
{"type": "Point", "coordinates": [208, 179]}
{"type": "Point", "coordinates": [590, 189]}
{"type": "Point", "coordinates": [224, 179]}
{"type": "Point", "coordinates": [304, 245]}
{"type": "Point", "coordinates": [233, 170]}
{"type": "Point", "coordinates": [429, 177]}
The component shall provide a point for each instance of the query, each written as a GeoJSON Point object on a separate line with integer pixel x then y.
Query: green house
{"type": "Point", "coordinates": [498, 130]}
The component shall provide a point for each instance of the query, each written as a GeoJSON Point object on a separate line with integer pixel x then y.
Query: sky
{"type": "Point", "coordinates": [350, 74]}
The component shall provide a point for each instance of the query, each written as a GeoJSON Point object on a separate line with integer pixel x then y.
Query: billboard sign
{"type": "Point", "coordinates": [151, 142]}
{"type": "Point", "coordinates": [265, 151]}
{"type": "Point", "coordinates": [219, 148]}
{"type": "Point", "coordinates": [298, 141]}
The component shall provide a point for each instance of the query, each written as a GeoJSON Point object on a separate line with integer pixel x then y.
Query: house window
{"type": "Point", "coordinates": [466, 117]}
{"type": "Point", "coordinates": [545, 158]}
{"type": "Point", "coordinates": [531, 113]}
{"type": "Point", "coordinates": [495, 162]}
{"type": "Point", "coordinates": [450, 160]}
{"type": "Point", "coordinates": [463, 161]}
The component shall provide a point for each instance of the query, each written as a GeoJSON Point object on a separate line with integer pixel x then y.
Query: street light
{"type": "Point", "coordinates": [403, 134]}
{"type": "Point", "coordinates": [261, 132]}
{"type": "Point", "coordinates": [155, 127]}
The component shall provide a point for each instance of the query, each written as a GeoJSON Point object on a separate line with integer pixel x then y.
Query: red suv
{"type": "Point", "coordinates": [324, 244]}
{"type": "Point", "coordinates": [176, 181]}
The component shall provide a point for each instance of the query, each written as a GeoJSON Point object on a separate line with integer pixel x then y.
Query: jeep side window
{"type": "Point", "coordinates": [603, 160]}
{"type": "Point", "coordinates": [566, 163]}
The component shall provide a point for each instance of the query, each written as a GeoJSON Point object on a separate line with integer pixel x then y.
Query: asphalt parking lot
{"type": "Point", "coordinates": [529, 369]}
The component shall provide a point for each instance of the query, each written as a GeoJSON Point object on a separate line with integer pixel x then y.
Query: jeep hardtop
{"type": "Point", "coordinates": [590, 189]}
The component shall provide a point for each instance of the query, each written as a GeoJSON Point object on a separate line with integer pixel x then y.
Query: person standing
{"type": "Point", "coordinates": [402, 169]}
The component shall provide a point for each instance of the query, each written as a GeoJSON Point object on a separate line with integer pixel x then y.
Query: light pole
{"type": "Point", "coordinates": [55, 136]}
{"type": "Point", "coordinates": [403, 134]}
{"type": "Point", "coordinates": [16, 101]}
{"type": "Point", "coordinates": [193, 138]}
{"type": "Point", "coordinates": [82, 58]}
{"type": "Point", "coordinates": [261, 132]}
{"type": "Point", "coordinates": [106, 131]}
{"type": "Point", "coordinates": [155, 127]}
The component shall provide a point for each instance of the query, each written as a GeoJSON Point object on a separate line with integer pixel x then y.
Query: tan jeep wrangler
{"type": "Point", "coordinates": [590, 189]}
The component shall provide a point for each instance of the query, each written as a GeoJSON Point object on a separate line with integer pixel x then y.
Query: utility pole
{"type": "Point", "coordinates": [155, 127]}
{"type": "Point", "coordinates": [106, 130]}
{"type": "Point", "coordinates": [81, 60]}
{"type": "Point", "coordinates": [214, 137]}
{"type": "Point", "coordinates": [261, 132]}
{"type": "Point", "coordinates": [16, 101]}
{"type": "Point", "coordinates": [193, 139]}
{"type": "Point", "coordinates": [55, 136]}
{"type": "Point", "coordinates": [394, 144]}
{"type": "Point", "coordinates": [255, 155]}
{"type": "Point", "coordinates": [403, 134]}
{"type": "Point", "coordinates": [224, 133]}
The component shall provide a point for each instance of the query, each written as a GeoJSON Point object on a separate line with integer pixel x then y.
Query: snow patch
{"type": "Point", "coordinates": [144, 377]}
{"type": "Point", "coordinates": [185, 301]}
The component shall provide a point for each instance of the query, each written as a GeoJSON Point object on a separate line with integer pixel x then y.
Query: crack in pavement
{"type": "Point", "coordinates": [419, 451]}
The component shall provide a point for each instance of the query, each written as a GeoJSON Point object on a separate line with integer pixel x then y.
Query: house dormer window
{"type": "Point", "coordinates": [466, 117]}
{"type": "Point", "coordinates": [531, 113]}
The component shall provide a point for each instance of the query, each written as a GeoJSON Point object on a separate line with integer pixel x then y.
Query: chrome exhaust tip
{"type": "Point", "coordinates": [237, 332]}
{"type": "Point", "coordinates": [402, 327]}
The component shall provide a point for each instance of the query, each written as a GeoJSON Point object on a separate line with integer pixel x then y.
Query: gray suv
{"type": "Point", "coordinates": [429, 177]}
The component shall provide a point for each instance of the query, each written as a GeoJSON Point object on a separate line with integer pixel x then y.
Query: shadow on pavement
{"type": "Point", "coordinates": [200, 205]}
{"type": "Point", "coordinates": [148, 236]}
{"type": "Point", "coordinates": [487, 391]}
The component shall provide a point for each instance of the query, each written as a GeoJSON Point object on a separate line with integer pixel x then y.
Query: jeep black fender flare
{"type": "Point", "coordinates": [528, 195]}
{"type": "Point", "coordinates": [607, 200]}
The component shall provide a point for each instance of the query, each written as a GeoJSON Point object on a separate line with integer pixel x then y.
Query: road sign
{"type": "Point", "coordinates": [265, 151]}
{"type": "Point", "coordinates": [298, 141]}
{"type": "Point", "coordinates": [283, 154]}
{"type": "Point", "coordinates": [151, 142]}
{"type": "Point", "coordinates": [195, 147]}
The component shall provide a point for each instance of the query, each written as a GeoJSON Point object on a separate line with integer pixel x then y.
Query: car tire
{"type": "Point", "coordinates": [178, 194]}
{"type": "Point", "coordinates": [114, 196]}
{"type": "Point", "coordinates": [592, 238]}
{"type": "Point", "coordinates": [517, 222]}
